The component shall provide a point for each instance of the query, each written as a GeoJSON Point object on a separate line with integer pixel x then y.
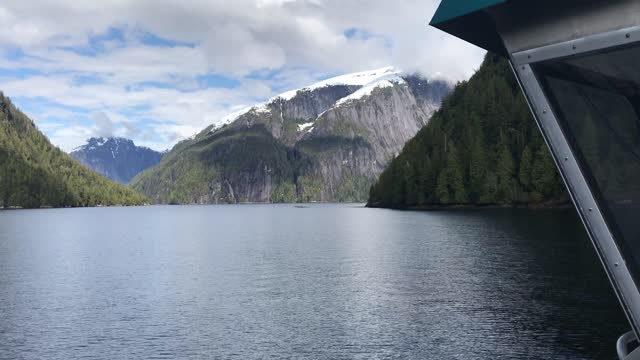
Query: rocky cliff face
{"type": "Point", "coordinates": [115, 158]}
{"type": "Point", "coordinates": [326, 142]}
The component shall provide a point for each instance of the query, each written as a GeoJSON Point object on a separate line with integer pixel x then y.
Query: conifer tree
{"type": "Point", "coordinates": [524, 174]}
{"type": "Point", "coordinates": [477, 166]}
{"type": "Point", "coordinates": [455, 177]}
{"type": "Point", "coordinates": [442, 189]}
{"type": "Point", "coordinates": [504, 174]}
{"type": "Point", "coordinates": [543, 173]}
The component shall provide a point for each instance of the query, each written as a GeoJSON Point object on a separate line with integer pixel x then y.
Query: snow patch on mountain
{"type": "Point", "coordinates": [363, 78]}
{"type": "Point", "coordinates": [354, 79]}
{"type": "Point", "coordinates": [305, 126]}
{"type": "Point", "coordinates": [259, 108]}
{"type": "Point", "coordinates": [366, 90]}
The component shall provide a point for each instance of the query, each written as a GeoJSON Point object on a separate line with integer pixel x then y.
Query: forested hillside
{"type": "Point", "coordinates": [481, 148]}
{"type": "Point", "coordinates": [34, 173]}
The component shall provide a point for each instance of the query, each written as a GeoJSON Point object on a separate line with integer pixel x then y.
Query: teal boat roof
{"type": "Point", "coordinates": [450, 9]}
{"type": "Point", "coordinates": [466, 20]}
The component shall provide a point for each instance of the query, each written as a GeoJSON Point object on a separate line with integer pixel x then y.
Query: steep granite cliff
{"type": "Point", "coordinates": [325, 142]}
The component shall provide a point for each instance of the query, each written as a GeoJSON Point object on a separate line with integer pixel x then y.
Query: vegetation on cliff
{"type": "Point", "coordinates": [239, 165]}
{"type": "Point", "coordinates": [481, 148]}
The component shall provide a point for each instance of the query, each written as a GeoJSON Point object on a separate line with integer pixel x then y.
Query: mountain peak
{"type": "Point", "coordinates": [103, 140]}
{"type": "Point", "coordinates": [354, 79]}
{"type": "Point", "coordinates": [116, 158]}
{"type": "Point", "coordinates": [387, 80]}
{"type": "Point", "coordinates": [95, 142]}
{"type": "Point", "coordinates": [385, 76]}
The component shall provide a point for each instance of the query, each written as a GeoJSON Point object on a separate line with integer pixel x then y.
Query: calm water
{"type": "Point", "coordinates": [322, 282]}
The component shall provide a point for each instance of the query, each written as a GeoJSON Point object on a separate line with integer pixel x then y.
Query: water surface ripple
{"type": "Point", "coordinates": [280, 281]}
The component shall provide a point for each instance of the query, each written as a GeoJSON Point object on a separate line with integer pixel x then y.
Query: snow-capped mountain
{"type": "Point", "coordinates": [116, 158]}
{"type": "Point", "coordinates": [325, 142]}
{"type": "Point", "coordinates": [364, 82]}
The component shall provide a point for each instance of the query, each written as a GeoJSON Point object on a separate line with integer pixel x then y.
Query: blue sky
{"type": "Point", "coordinates": [160, 71]}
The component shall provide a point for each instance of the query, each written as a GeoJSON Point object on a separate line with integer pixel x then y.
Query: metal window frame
{"type": "Point", "coordinates": [583, 198]}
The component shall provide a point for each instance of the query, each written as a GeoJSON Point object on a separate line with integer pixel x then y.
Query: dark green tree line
{"type": "Point", "coordinates": [481, 148]}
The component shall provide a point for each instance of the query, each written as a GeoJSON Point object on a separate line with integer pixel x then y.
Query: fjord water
{"type": "Point", "coordinates": [317, 282]}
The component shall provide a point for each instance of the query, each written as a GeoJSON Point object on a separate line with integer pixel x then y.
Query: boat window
{"type": "Point", "coordinates": [596, 98]}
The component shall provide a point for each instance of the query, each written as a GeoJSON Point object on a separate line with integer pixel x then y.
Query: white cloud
{"type": "Point", "coordinates": [104, 126]}
{"type": "Point", "coordinates": [294, 42]}
{"type": "Point", "coordinates": [69, 137]}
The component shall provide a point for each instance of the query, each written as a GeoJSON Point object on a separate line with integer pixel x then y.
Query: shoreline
{"type": "Point", "coordinates": [556, 205]}
{"type": "Point", "coordinates": [47, 207]}
{"type": "Point", "coordinates": [552, 205]}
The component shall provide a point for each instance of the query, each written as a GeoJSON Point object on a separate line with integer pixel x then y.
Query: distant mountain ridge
{"type": "Point", "coordinates": [116, 158]}
{"type": "Point", "coordinates": [324, 142]}
{"type": "Point", "coordinates": [34, 173]}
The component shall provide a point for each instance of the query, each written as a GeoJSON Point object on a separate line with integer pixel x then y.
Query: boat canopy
{"type": "Point", "coordinates": [577, 63]}
{"type": "Point", "coordinates": [463, 18]}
